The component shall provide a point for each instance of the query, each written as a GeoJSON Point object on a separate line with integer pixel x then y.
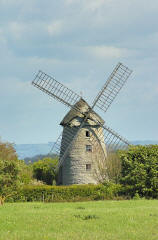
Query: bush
{"type": "Point", "coordinates": [45, 170]}
{"type": "Point", "coordinates": [9, 171]}
{"type": "Point", "coordinates": [139, 172]}
{"type": "Point", "coordinates": [26, 173]}
{"type": "Point", "coordinates": [67, 193]}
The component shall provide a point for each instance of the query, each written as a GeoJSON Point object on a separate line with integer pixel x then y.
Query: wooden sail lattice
{"type": "Point", "coordinates": [55, 89]}
{"type": "Point", "coordinates": [112, 87]}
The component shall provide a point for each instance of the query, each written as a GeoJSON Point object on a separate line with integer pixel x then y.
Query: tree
{"type": "Point", "coordinates": [139, 171]}
{"type": "Point", "coordinates": [108, 168]}
{"type": "Point", "coordinates": [26, 172]}
{"type": "Point", "coordinates": [9, 171]}
{"type": "Point", "coordinates": [45, 170]}
{"type": "Point", "coordinates": [114, 166]}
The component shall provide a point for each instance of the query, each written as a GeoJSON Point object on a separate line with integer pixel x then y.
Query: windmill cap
{"type": "Point", "coordinates": [84, 108]}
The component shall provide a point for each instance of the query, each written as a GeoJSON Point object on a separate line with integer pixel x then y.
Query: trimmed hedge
{"type": "Point", "coordinates": [66, 193]}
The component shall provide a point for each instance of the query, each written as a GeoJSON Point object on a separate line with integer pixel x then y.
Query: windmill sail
{"type": "Point", "coordinates": [64, 142]}
{"type": "Point", "coordinates": [55, 89]}
{"type": "Point", "coordinates": [112, 87]}
{"type": "Point", "coordinates": [112, 139]}
{"type": "Point", "coordinates": [57, 145]}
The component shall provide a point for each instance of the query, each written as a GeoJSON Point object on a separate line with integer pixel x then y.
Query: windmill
{"type": "Point", "coordinates": [85, 138]}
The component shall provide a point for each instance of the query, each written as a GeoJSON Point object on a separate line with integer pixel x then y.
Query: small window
{"type": "Point", "coordinates": [87, 134]}
{"type": "Point", "coordinates": [88, 148]}
{"type": "Point", "coordinates": [88, 167]}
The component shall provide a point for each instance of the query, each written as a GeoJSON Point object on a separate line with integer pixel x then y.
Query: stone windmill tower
{"type": "Point", "coordinates": [85, 139]}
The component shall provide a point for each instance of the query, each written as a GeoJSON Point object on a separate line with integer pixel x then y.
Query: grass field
{"type": "Point", "coordinates": [102, 220]}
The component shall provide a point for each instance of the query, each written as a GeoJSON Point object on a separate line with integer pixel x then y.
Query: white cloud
{"type": "Point", "coordinates": [106, 51]}
{"type": "Point", "coordinates": [55, 28]}
{"type": "Point", "coordinates": [4, 49]}
{"type": "Point", "coordinates": [94, 5]}
{"type": "Point", "coordinates": [88, 4]}
{"type": "Point", "coordinates": [10, 2]}
{"type": "Point", "coordinates": [14, 87]}
{"type": "Point", "coordinates": [42, 61]}
{"type": "Point", "coordinates": [69, 2]}
{"type": "Point", "coordinates": [2, 39]}
{"type": "Point", "coordinates": [17, 29]}
{"type": "Point", "coordinates": [32, 30]}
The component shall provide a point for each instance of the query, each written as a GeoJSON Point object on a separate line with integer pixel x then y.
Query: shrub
{"type": "Point", "coordinates": [139, 172]}
{"type": "Point", "coordinates": [26, 173]}
{"type": "Point", "coordinates": [67, 193]}
{"type": "Point", "coordinates": [45, 170]}
{"type": "Point", "coordinates": [9, 171]}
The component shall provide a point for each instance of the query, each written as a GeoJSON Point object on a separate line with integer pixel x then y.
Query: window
{"type": "Point", "coordinates": [88, 167]}
{"type": "Point", "coordinates": [87, 134]}
{"type": "Point", "coordinates": [88, 148]}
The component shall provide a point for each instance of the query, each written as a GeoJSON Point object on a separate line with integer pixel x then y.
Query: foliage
{"type": "Point", "coordinates": [26, 172]}
{"type": "Point", "coordinates": [67, 193]}
{"type": "Point", "coordinates": [35, 182]}
{"type": "Point", "coordinates": [9, 171]}
{"type": "Point", "coordinates": [139, 172]}
{"type": "Point", "coordinates": [114, 167]}
{"type": "Point", "coordinates": [108, 169]}
{"type": "Point", "coordinates": [100, 173]}
{"type": "Point", "coordinates": [45, 170]}
{"type": "Point", "coordinates": [39, 157]}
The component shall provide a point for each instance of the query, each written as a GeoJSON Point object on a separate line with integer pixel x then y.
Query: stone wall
{"type": "Point", "coordinates": [74, 166]}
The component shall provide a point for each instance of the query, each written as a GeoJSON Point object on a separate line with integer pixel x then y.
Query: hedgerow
{"type": "Point", "coordinates": [66, 193]}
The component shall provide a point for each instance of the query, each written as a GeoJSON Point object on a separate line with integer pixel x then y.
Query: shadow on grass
{"type": "Point", "coordinates": [86, 217]}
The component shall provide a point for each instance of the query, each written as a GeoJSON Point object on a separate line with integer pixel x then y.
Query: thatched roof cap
{"type": "Point", "coordinates": [74, 117]}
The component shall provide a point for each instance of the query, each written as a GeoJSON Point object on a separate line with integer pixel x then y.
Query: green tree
{"type": "Point", "coordinates": [45, 170]}
{"type": "Point", "coordinates": [26, 172]}
{"type": "Point", "coordinates": [139, 171]}
{"type": "Point", "coordinates": [9, 171]}
{"type": "Point", "coordinates": [108, 169]}
{"type": "Point", "coordinates": [114, 166]}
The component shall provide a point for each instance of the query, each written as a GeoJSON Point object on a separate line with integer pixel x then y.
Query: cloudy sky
{"type": "Point", "coordinates": [79, 42]}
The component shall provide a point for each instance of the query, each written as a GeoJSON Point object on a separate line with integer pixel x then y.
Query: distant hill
{"type": "Point", "coordinates": [145, 142]}
{"type": "Point", "coordinates": [32, 150]}
{"type": "Point", "coordinates": [37, 157]}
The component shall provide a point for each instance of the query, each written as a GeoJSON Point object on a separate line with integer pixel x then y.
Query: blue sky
{"type": "Point", "coordinates": [79, 42]}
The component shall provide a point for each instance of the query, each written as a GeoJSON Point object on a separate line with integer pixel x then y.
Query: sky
{"type": "Point", "coordinates": [79, 42]}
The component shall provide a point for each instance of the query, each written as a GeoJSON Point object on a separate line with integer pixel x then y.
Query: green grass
{"type": "Point", "coordinates": [102, 220]}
